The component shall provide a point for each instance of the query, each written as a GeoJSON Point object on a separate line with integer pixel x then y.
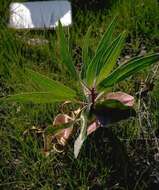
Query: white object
{"type": "Point", "coordinates": [40, 14]}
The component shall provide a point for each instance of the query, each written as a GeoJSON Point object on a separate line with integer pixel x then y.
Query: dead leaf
{"type": "Point", "coordinates": [64, 134]}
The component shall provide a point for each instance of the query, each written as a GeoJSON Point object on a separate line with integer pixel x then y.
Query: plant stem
{"type": "Point", "coordinates": [93, 95]}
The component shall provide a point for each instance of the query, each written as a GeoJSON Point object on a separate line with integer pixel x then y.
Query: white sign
{"type": "Point", "coordinates": [40, 14]}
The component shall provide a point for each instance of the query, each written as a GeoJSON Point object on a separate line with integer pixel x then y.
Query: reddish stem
{"type": "Point", "coordinates": [93, 95]}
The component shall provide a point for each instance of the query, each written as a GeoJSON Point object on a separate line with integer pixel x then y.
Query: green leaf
{"type": "Point", "coordinates": [38, 97]}
{"type": "Point", "coordinates": [127, 69]}
{"type": "Point", "coordinates": [85, 53]}
{"type": "Point", "coordinates": [49, 91]}
{"type": "Point", "coordinates": [64, 52]}
{"type": "Point", "coordinates": [82, 136]}
{"type": "Point", "coordinates": [107, 37]}
{"type": "Point", "coordinates": [46, 84]}
{"type": "Point", "coordinates": [111, 57]}
{"type": "Point", "coordinates": [97, 61]}
{"type": "Point", "coordinates": [111, 104]}
{"type": "Point", "coordinates": [111, 111]}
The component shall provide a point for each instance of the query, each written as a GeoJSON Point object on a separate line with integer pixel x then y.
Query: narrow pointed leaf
{"type": "Point", "coordinates": [46, 84]}
{"type": "Point", "coordinates": [85, 53]}
{"type": "Point", "coordinates": [38, 97]}
{"type": "Point", "coordinates": [104, 61]}
{"type": "Point", "coordinates": [107, 37]}
{"type": "Point", "coordinates": [49, 91]}
{"type": "Point", "coordinates": [111, 57]}
{"type": "Point", "coordinates": [95, 65]}
{"type": "Point", "coordinates": [125, 70]}
{"type": "Point", "coordinates": [65, 54]}
{"type": "Point", "coordinates": [82, 136]}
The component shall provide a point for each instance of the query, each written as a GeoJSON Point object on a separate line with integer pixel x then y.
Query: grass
{"type": "Point", "coordinates": [100, 166]}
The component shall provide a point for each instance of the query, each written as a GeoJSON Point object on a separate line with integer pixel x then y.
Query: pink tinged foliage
{"type": "Point", "coordinates": [64, 134]}
{"type": "Point", "coordinates": [92, 127]}
{"type": "Point", "coordinates": [124, 98]}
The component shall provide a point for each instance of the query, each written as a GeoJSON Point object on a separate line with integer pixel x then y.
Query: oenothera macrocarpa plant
{"type": "Point", "coordinates": [98, 107]}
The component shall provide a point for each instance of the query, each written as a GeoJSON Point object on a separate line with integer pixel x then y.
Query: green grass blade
{"type": "Point", "coordinates": [37, 97]}
{"type": "Point", "coordinates": [111, 57]}
{"type": "Point", "coordinates": [64, 52]}
{"type": "Point", "coordinates": [45, 84]}
{"type": "Point", "coordinates": [125, 70]}
{"type": "Point", "coordinates": [85, 53]}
